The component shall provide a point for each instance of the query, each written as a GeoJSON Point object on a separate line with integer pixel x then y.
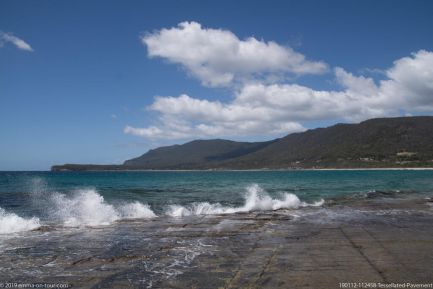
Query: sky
{"type": "Point", "coordinates": [105, 81]}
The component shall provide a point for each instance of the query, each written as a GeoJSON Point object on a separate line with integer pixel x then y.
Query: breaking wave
{"type": "Point", "coordinates": [137, 210]}
{"type": "Point", "coordinates": [256, 199]}
{"type": "Point", "coordinates": [89, 208]}
{"type": "Point", "coordinates": [12, 223]}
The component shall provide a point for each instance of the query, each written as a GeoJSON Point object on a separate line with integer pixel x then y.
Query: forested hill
{"type": "Point", "coordinates": [381, 142]}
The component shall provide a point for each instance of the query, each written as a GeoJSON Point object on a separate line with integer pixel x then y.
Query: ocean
{"type": "Point", "coordinates": [202, 229]}
{"type": "Point", "coordinates": [32, 199]}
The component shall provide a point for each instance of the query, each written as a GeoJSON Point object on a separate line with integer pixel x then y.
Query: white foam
{"type": "Point", "coordinates": [177, 211]}
{"type": "Point", "coordinates": [12, 223]}
{"type": "Point", "coordinates": [88, 208]}
{"type": "Point", "coordinates": [137, 210]}
{"type": "Point", "coordinates": [256, 199]}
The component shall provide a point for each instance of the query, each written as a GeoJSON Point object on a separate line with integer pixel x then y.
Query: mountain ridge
{"type": "Point", "coordinates": [374, 143]}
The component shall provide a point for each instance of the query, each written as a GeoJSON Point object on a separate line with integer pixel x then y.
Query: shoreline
{"type": "Point", "coordinates": [230, 170]}
{"type": "Point", "coordinates": [249, 170]}
{"type": "Point", "coordinates": [368, 241]}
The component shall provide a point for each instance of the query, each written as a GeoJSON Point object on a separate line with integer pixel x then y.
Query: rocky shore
{"type": "Point", "coordinates": [361, 243]}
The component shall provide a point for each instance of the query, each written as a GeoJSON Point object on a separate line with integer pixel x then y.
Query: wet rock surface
{"type": "Point", "coordinates": [370, 241]}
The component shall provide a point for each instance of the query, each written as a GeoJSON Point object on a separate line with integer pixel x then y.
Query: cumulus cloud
{"type": "Point", "coordinates": [411, 81]}
{"type": "Point", "coordinates": [272, 109]}
{"type": "Point", "coordinates": [219, 58]}
{"type": "Point", "coordinates": [184, 117]}
{"type": "Point", "coordinates": [10, 38]}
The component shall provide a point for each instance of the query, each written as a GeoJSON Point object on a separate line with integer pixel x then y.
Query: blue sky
{"type": "Point", "coordinates": [84, 89]}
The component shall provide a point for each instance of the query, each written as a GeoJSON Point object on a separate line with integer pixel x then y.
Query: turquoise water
{"type": "Point", "coordinates": [77, 197]}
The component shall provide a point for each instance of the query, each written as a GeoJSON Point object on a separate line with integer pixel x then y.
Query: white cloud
{"type": "Point", "coordinates": [184, 117]}
{"type": "Point", "coordinates": [19, 43]}
{"type": "Point", "coordinates": [411, 81]}
{"type": "Point", "coordinates": [218, 57]}
{"type": "Point", "coordinates": [273, 109]}
{"type": "Point", "coordinates": [355, 84]}
{"type": "Point", "coordinates": [169, 131]}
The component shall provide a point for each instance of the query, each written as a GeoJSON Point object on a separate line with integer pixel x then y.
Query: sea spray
{"type": "Point", "coordinates": [85, 207]}
{"type": "Point", "coordinates": [88, 208]}
{"type": "Point", "coordinates": [256, 199]}
{"type": "Point", "coordinates": [137, 210]}
{"type": "Point", "coordinates": [12, 223]}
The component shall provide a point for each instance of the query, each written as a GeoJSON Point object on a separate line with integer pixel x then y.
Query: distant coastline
{"type": "Point", "coordinates": [384, 143]}
{"type": "Point", "coordinates": [263, 170]}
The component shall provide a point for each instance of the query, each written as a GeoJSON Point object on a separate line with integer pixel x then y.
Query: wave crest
{"type": "Point", "coordinates": [137, 210]}
{"type": "Point", "coordinates": [12, 223]}
{"type": "Point", "coordinates": [88, 208]}
{"type": "Point", "coordinates": [256, 199]}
